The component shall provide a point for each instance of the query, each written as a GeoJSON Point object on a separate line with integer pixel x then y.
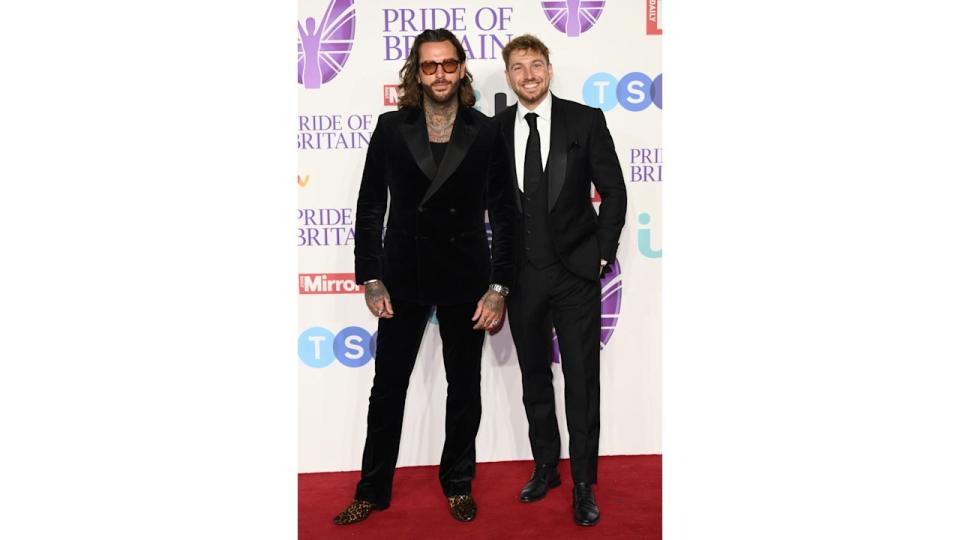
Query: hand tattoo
{"type": "Point", "coordinates": [493, 307]}
{"type": "Point", "coordinates": [374, 294]}
{"type": "Point", "coordinates": [494, 303]}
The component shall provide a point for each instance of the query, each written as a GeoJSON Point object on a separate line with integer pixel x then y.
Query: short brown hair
{"type": "Point", "coordinates": [524, 42]}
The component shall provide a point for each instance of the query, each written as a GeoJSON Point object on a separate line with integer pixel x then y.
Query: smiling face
{"type": "Point", "coordinates": [439, 86]}
{"type": "Point", "coordinates": [529, 74]}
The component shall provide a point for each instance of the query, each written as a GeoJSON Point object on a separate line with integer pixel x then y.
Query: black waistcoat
{"type": "Point", "coordinates": [538, 246]}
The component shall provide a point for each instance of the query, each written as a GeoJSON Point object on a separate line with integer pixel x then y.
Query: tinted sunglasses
{"type": "Point", "coordinates": [449, 66]}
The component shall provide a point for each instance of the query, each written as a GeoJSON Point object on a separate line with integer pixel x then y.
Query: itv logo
{"type": "Point", "coordinates": [644, 242]}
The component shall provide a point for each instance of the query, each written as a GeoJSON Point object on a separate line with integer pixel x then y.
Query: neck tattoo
{"type": "Point", "coordinates": [440, 118]}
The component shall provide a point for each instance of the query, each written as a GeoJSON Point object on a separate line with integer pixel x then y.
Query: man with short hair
{"type": "Point", "coordinates": [560, 149]}
{"type": "Point", "coordinates": [445, 165]}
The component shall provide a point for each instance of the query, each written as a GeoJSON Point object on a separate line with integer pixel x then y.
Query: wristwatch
{"type": "Point", "coordinates": [499, 289]}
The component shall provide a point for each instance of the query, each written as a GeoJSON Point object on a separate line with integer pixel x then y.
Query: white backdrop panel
{"type": "Point", "coordinates": [337, 117]}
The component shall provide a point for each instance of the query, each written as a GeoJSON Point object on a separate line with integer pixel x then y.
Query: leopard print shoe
{"type": "Point", "coordinates": [462, 507]}
{"type": "Point", "coordinates": [356, 512]}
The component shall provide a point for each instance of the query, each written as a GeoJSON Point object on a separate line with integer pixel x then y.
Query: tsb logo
{"type": "Point", "coordinates": [353, 346]}
{"type": "Point", "coordinates": [634, 91]}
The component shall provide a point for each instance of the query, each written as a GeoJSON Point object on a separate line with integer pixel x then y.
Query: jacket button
{"type": "Point", "coordinates": [453, 210]}
{"type": "Point", "coordinates": [452, 239]}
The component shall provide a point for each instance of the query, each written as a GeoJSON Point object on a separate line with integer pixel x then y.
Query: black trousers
{"type": "Point", "coordinates": [398, 341]}
{"type": "Point", "coordinates": [553, 296]}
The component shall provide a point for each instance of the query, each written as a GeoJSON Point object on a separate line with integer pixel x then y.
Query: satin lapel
{"type": "Point", "coordinates": [414, 131]}
{"type": "Point", "coordinates": [507, 128]}
{"type": "Point", "coordinates": [557, 160]}
{"type": "Point", "coordinates": [462, 137]}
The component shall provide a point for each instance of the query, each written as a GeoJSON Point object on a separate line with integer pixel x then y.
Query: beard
{"type": "Point", "coordinates": [453, 90]}
{"type": "Point", "coordinates": [544, 88]}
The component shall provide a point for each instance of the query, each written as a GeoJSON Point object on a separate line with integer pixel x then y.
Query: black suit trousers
{"type": "Point", "coordinates": [554, 296]}
{"type": "Point", "coordinates": [398, 341]}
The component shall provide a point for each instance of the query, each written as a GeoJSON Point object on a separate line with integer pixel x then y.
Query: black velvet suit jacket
{"type": "Point", "coordinates": [435, 248]}
{"type": "Point", "coordinates": [581, 153]}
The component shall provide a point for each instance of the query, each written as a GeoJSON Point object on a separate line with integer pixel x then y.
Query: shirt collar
{"type": "Point", "coordinates": [542, 110]}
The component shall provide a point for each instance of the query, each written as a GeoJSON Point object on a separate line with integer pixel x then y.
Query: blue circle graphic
{"type": "Point", "coordinates": [315, 347]}
{"type": "Point", "coordinates": [656, 91]}
{"type": "Point", "coordinates": [352, 346]}
{"type": "Point", "coordinates": [633, 92]}
{"type": "Point", "coordinates": [600, 90]}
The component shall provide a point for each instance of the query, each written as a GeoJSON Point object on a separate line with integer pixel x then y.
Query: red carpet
{"type": "Point", "coordinates": [628, 494]}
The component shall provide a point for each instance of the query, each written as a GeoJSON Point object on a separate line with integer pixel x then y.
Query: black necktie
{"type": "Point", "coordinates": [532, 166]}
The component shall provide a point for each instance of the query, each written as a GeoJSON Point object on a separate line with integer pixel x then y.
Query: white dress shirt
{"type": "Point", "coordinates": [521, 131]}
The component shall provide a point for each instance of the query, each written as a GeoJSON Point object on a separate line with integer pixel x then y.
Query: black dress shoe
{"type": "Point", "coordinates": [585, 509]}
{"type": "Point", "coordinates": [356, 512]}
{"type": "Point", "coordinates": [544, 477]}
{"type": "Point", "coordinates": [462, 507]}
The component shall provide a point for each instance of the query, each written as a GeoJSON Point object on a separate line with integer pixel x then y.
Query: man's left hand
{"type": "Point", "coordinates": [489, 311]}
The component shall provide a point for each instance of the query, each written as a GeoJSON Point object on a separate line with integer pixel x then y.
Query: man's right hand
{"type": "Point", "coordinates": [378, 299]}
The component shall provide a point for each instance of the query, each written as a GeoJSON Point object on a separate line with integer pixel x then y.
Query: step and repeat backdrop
{"type": "Point", "coordinates": [605, 54]}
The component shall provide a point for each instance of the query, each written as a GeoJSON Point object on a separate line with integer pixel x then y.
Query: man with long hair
{"type": "Point", "coordinates": [444, 165]}
{"type": "Point", "coordinates": [559, 148]}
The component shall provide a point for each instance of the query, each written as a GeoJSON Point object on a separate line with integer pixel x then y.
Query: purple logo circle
{"type": "Point", "coordinates": [573, 17]}
{"type": "Point", "coordinates": [323, 49]}
{"type": "Point", "coordinates": [611, 292]}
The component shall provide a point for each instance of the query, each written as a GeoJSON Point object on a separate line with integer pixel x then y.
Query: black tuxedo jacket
{"type": "Point", "coordinates": [435, 249]}
{"type": "Point", "coordinates": [581, 153]}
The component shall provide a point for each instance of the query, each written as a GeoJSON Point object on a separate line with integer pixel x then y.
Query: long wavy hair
{"type": "Point", "coordinates": [410, 94]}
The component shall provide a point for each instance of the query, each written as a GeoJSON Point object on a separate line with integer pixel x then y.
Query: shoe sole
{"type": "Point", "coordinates": [467, 520]}
{"type": "Point", "coordinates": [550, 486]}
{"type": "Point", "coordinates": [587, 523]}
